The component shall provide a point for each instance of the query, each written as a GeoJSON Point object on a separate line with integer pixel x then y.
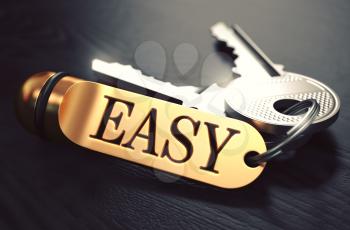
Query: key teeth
{"type": "Point", "coordinates": [138, 72]}
{"type": "Point", "coordinates": [130, 68]}
{"type": "Point", "coordinates": [125, 69]}
{"type": "Point", "coordinates": [235, 71]}
{"type": "Point", "coordinates": [222, 32]}
{"type": "Point", "coordinates": [221, 37]}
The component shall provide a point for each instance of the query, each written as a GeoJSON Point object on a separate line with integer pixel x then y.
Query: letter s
{"type": "Point", "coordinates": [181, 138]}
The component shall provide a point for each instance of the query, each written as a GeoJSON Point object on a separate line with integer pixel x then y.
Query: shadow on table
{"type": "Point", "coordinates": [92, 173]}
{"type": "Point", "coordinates": [312, 165]}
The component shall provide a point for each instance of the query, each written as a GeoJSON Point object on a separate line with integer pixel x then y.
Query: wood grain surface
{"type": "Point", "coordinates": [48, 185]}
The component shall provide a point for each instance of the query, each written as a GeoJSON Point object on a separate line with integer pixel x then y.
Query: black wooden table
{"type": "Point", "coordinates": [47, 185]}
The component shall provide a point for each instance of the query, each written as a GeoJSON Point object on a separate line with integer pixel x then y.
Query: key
{"type": "Point", "coordinates": [187, 95]}
{"type": "Point", "coordinates": [251, 60]}
{"type": "Point", "coordinates": [264, 89]}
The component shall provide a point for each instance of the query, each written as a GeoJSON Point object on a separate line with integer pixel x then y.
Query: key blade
{"type": "Point", "coordinates": [251, 61]}
{"type": "Point", "coordinates": [213, 100]}
{"type": "Point", "coordinates": [133, 76]}
{"type": "Point", "coordinates": [271, 68]}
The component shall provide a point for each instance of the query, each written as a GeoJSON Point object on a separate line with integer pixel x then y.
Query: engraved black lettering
{"type": "Point", "coordinates": [181, 138]}
{"type": "Point", "coordinates": [107, 116]}
{"type": "Point", "coordinates": [151, 136]}
{"type": "Point", "coordinates": [214, 148]}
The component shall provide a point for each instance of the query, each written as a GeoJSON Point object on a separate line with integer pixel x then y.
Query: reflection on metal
{"type": "Point", "coordinates": [147, 131]}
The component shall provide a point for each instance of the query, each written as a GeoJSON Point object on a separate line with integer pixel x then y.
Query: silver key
{"type": "Point", "coordinates": [265, 89]}
{"type": "Point", "coordinates": [210, 100]}
{"type": "Point", "coordinates": [186, 94]}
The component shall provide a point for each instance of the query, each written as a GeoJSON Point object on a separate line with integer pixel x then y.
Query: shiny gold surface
{"type": "Point", "coordinates": [84, 105]}
{"type": "Point", "coordinates": [28, 96]}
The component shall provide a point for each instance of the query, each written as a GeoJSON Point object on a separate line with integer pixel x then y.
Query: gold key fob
{"type": "Point", "coordinates": [141, 129]}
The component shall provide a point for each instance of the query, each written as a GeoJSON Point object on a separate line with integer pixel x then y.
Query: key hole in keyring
{"type": "Point", "coordinates": [247, 161]}
{"type": "Point", "coordinates": [283, 104]}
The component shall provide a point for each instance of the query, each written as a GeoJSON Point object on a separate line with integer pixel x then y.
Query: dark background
{"type": "Point", "coordinates": [47, 185]}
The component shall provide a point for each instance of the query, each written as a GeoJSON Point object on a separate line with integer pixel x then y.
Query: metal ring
{"type": "Point", "coordinates": [313, 109]}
